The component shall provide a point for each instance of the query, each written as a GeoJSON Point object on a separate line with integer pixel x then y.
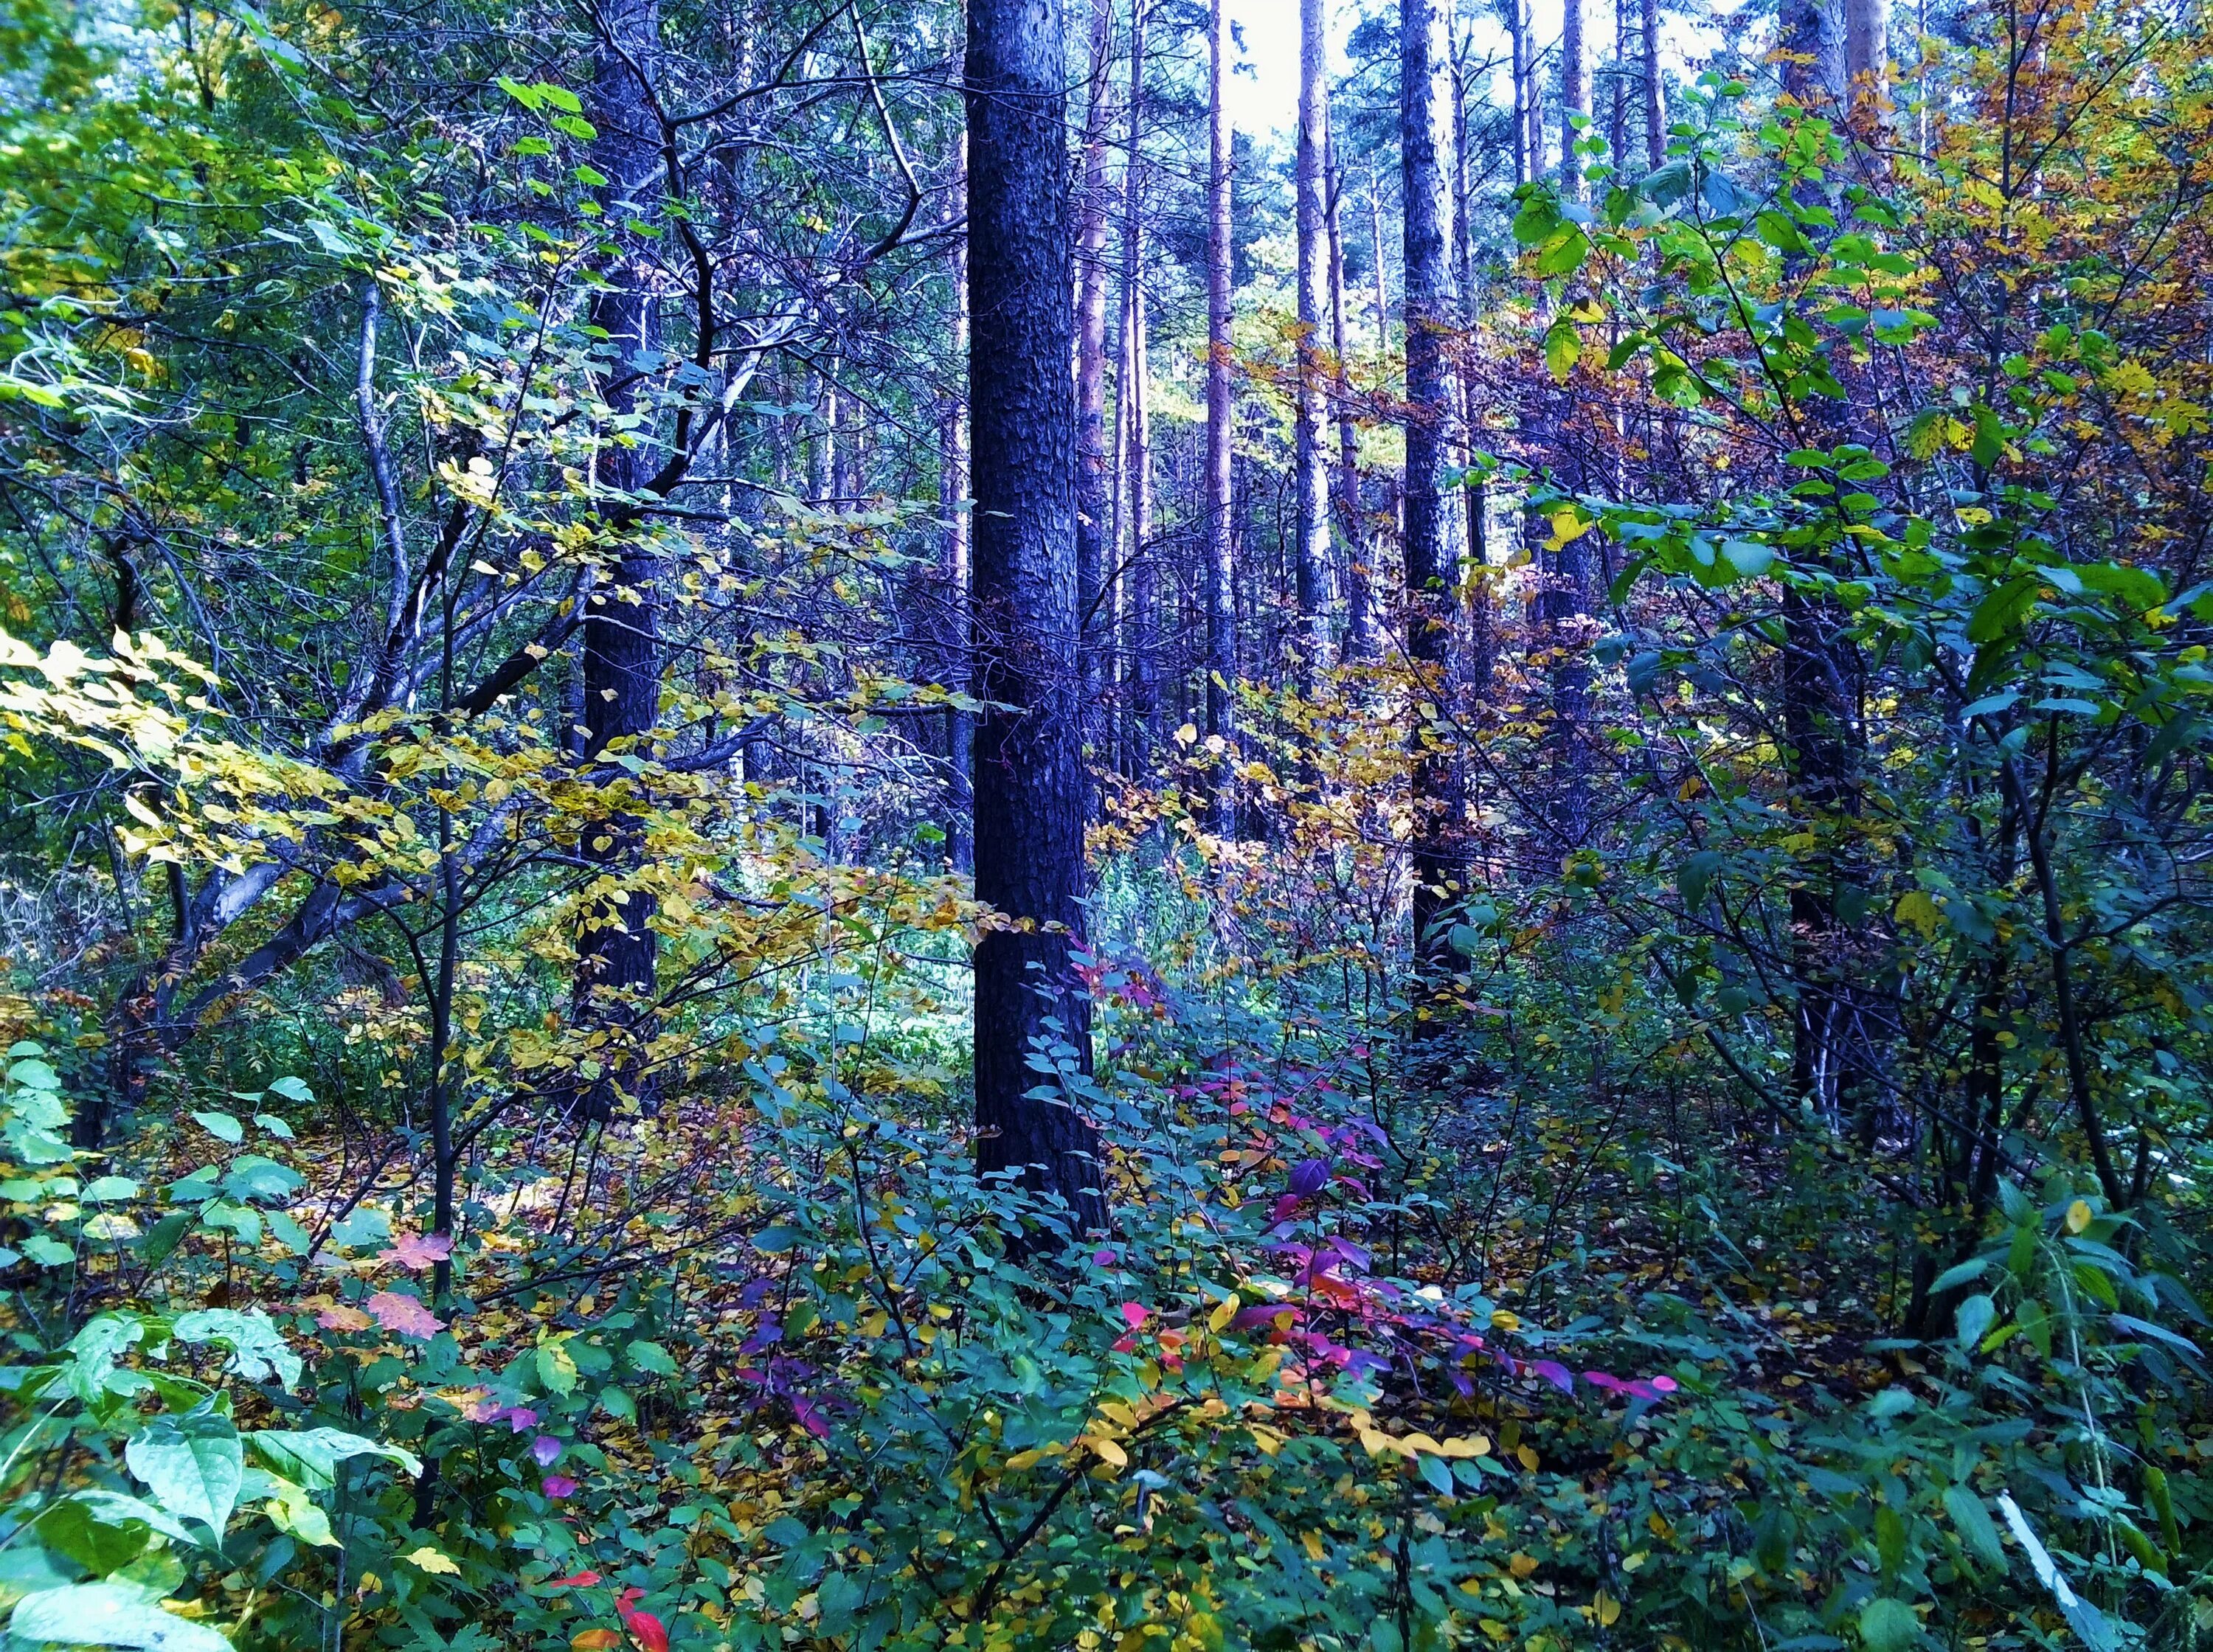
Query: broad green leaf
{"type": "Point", "coordinates": [193, 1465]}
{"type": "Point", "coordinates": [109, 1614]}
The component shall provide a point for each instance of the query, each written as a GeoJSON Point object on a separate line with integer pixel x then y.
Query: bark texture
{"type": "Point", "coordinates": [1311, 528]}
{"type": "Point", "coordinates": [1029, 780]}
{"type": "Point", "coordinates": [1221, 525]}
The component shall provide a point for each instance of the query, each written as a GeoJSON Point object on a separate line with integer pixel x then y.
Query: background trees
{"type": "Point", "coordinates": [644, 644]}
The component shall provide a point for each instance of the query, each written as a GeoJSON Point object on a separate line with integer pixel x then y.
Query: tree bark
{"type": "Point", "coordinates": [1431, 562]}
{"type": "Point", "coordinates": [1221, 538]}
{"type": "Point", "coordinates": [621, 663]}
{"type": "Point", "coordinates": [1655, 129]}
{"type": "Point", "coordinates": [954, 569]}
{"type": "Point", "coordinates": [1143, 580]}
{"type": "Point", "coordinates": [1574, 98]}
{"type": "Point", "coordinates": [1867, 54]}
{"type": "Point", "coordinates": [1517, 42]}
{"type": "Point", "coordinates": [1092, 551]}
{"type": "Point", "coordinates": [1029, 780]}
{"type": "Point", "coordinates": [1311, 530]}
{"type": "Point", "coordinates": [1810, 39]}
{"type": "Point", "coordinates": [1359, 608]}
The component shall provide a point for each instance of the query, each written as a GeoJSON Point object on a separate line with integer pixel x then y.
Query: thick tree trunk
{"type": "Point", "coordinates": [1431, 569]}
{"type": "Point", "coordinates": [953, 568]}
{"type": "Point", "coordinates": [1220, 524]}
{"type": "Point", "coordinates": [1029, 779]}
{"type": "Point", "coordinates": [1092, 551]}
{"type": "Point", "coordinates": [621, 663]}
{"type": "Point", "coordinates": [1810, 38]}
{"type": "Point", "coordinates": [1311, 529]}
{"type": "Point", "coordinates": [1867, 54]}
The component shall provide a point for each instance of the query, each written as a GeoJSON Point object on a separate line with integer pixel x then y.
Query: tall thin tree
{"type": "Point", "coordinates": [621, 643]}
{"type": "Point", "coordinates": [1431, 563]}
{"type": "Point", "coordinates": [1029, 780]}
{"type": "Point", "coordinates": [1092, 551]}
{"type": "Point", "coordinates": [1220, 522]}
{"type": "Point", "coordinates": [954, 554]}
{"type": "Point", "coordinates": [1143, 580]}
{"type": "Point", "coordinates": [1311, 529]}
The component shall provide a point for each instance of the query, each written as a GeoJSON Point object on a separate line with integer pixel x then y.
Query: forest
{"type": "Point", "coordinates": [1143, 826]}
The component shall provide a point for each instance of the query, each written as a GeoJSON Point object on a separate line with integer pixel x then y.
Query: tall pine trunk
{"type": "Point", "coordinates": [1655, 135]}
{"type": "Point", "coordinates": [1092, 551]}
{"type": "Point", "coordinates": [621, 653]}
{"type": "Point", "coordinates": [1143, 580]}
{"type": "Point", "coordinates": [953, 566]}
{"type": "Point", "coordinates": [1431, 565]}
{"type": "Point", "coordinates": [1311, 529]}
{"type": "Point", "coordinates": [1220, 664]}
{"type": "Point", "coordinates": [1359, 607]}
{"type": "Point", "coordinates": [1029, 777]}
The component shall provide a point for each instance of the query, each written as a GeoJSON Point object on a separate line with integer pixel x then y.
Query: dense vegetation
{"type": "Point", "coordinates": [822, 832]}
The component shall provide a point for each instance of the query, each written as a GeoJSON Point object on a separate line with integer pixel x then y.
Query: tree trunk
{"type": "Point", "coordinates": [1517, 42]}
{"type": "Point", "coordinates": [1311, 530]}
{"type": "Point", "coordinates": [1867, 54]}
{"type": "Point", "coordinates": [1655, 128]}
{"type": "Point", "coordinates": [621, 665]}
{"type": "Point", "coordinates": [1143, 580]}
{"type": "Point", "coordinates": [1029, 779]}
{"type": "Point", "coordinates": [1431, 571]}
{"type": "Point", "coordinates": [1574, 98]}
{"type": "Point", "coordinates": [1811, 37]}
{"type": "Point", "coordinates": [1220, 528]}
{"type": "Point", "coordinates": [1359, 609]}
{"type": "Point", "coordinates": [1091, 548]}
{"type": "Point", "coordinates": [953, 503]}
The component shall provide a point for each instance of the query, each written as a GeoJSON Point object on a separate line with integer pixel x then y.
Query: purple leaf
{"type": "Point", "coordinates": [547, 1449]}
{"type": "Point", "coordinates": [1309, 1177]}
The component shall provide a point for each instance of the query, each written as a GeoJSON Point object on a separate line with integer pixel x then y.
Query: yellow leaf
{"type": "Point", "coordinates": [1109, 1452]}
{"type": "Point", "coordinates": [1521, 1564]}
{"type": "Point", "coordinates": [1218, 1322]}
{"type": "Point", "coordinates": [1467, 1445]}
{"type": "Point", "coordinates": [1606, 1609]}
{"type": "Point", "coordinates": [1313, 1542]}
{"type": "Point", "coordinates": [1918, 908]}
{"type": "Point", "coordinates": [1529, 1458]}
{"type": "Point", "coordinates": [2078, 1216]}
{"type": "Point", "coordinates": [428, 1559]}
{"type": "Point", "coordinates": [594, 1640]}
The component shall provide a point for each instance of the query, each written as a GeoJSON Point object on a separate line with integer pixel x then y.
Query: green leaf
{"type": "Point", "coordinates": [651, 1357]}
{"type": "Point", "coordinates": [292, 1089]}
{"type": "Point", "coordinates": [70, 1528]}
{"type": "Point", "coordinates": [556, 1369]}
{"type": "Point", "coordinates": [1888, 1625]}
{"type": "Point", "coordinates": [109, 1614]}
{"type": "Point", "coordinates": [221, 1124]}
{"type": "Point", "coordinates": [193, 1465]}
{"type": "Point", "coordinates": [1973, 1523]}
{"type": "Point", "coordinates": [1974, 1318]}
{"type": "Point", "coordinates": [258, 1349]}
{"type": "Point", "coordinates": [1438, 1473]}
{"type": "Point", "coordinates": [1563, 348]}
{"type": "Point", "coordinates": [312, 1456]}
{"type": "Point", "coordinates": [2002, 610]}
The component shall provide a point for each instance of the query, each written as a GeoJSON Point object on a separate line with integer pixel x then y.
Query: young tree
{"type": "Point", "coordinates": [954, 557]}
{"type": "Point", "coordinates": [1311, 528]}
{"type": "Point", "coordinates": [1029, 780]}
{"type": "Point", "coordinates": [1136, 412]}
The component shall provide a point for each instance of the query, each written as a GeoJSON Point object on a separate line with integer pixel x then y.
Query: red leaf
{"type": "Point", "coordinates": [1134, 1313]}
{"type": "Point", "coordinates": [405, 1315]}
{"type": "Point", "coordinates": [419, 1250]}
{"type": "Point", "coordinates": [645, 1628]}
{"type": "Point", "coordinates": [575, 1581]}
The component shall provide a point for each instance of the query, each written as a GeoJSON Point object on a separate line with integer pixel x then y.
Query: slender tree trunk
{"type": "Point", "coordinates": [1359, 609]}
{"type": "Point", "coordinates": [1143, 578]}
{"type": "Point", "coordinates": [1431, 573]}
{"type": "Point", "coordinates": [1311, 529]}
{"type": "Point", "coordinates": [1220, 526]}
{"type": "Point", "coordinates": [953, 549]}
{"type": "Point", "coordinates": [1092, 549]}
{"type": "Point", "coordinates": [1517, 42]}
{"type": "Point", "coordinates": [1574, 98]}
{"type": "Point", "coordinates": [1655, 125]}
{"type": "Point", "coordinates": [1029, 779]}
{"type": "Point", "coordinates": [621, 663]}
